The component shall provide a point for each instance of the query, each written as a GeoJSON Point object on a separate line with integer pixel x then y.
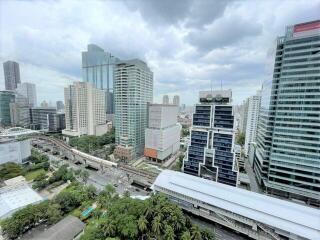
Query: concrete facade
{"type": "Point", "coordinates": [14, 151]}
{"type": "Point", "coordinates": [162, 137]}
{"type": "Point", "coordinates": [84, 109]}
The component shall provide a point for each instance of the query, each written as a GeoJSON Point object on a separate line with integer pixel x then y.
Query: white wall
{"type": "Point", "coordinates": [15, 151]}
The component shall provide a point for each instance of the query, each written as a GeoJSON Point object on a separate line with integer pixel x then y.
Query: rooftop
{"type": "Point", "coordinates": [66, 229]}
{"type": "Point", "coordinates": [291, 217]}
{"type": "Point", "coordinates": [16, 196]}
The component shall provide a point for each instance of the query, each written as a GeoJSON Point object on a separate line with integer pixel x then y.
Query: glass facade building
{"type": "Point", "coordinates": [6, 99]}
{"type": "Point", "coordinates": [287, 158]}
{"type": "Point", "coordinates": [98, 69]}
{"type": "Point", "coordinates": [211, 149]}
{"type": "Point", "coordinates": [11, 74]}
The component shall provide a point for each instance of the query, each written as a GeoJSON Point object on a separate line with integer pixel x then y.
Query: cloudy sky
{"type": "Point", "coordinates": [186, 43]}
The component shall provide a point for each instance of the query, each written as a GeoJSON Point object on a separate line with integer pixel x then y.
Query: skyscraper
{"type": "Point", "coordinates": [6, 98]}
{"type": "Point", "coordinates": [176, 100]}
{"type": "Point", "coordinates": [11, 74]}
{"type": "Point", "coordinates": [210, 152]}
{"type": "Point", "coordinates": [28, 90]}
{"type": "Point", "coordinates": [20, 111]}
{"type": "Point", "coordinates": [287, 156]}
{"type": "Point", "coordinates": [133, 90]}
{"type": "Point", "coordinates": [98, 69]}
{"type": "Point", "coordinates": [165, 99]}
{"type": "Point", "coordinates": [252, 120]}
{"type": "Point", "coordinates": [60, 106]}
{"type": "Point", "coordinates": [84, 110]}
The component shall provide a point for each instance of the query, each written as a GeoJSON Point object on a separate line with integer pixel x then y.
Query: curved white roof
{"type": "Point", "coordinates": [291, 217]}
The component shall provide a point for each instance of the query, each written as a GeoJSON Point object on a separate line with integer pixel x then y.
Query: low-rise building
{"type": "Point", "coordinates": [162, 137]}
{"type": "Point", "coordinates": [14, 151]}
{"type": "Point", "coordinates": [16, 196]}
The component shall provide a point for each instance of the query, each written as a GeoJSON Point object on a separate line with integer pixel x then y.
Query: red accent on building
{"type": "Point", "coordinates": [306, 26]}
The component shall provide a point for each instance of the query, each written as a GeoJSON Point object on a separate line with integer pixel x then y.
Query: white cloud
{"type": "Point", "coordinates": [47, 37]}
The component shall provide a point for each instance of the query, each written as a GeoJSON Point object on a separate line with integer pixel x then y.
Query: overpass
{"type": "Point", "coordinates": [87, 159]}
{"type": "Point", "coordinates": [256, 215]}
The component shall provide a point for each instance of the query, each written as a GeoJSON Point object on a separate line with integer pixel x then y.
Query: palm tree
{"type": "Point", "coordinates": [169, 233]}
{"type": "Point", "coordinates": [186, 236]}
{"type": "Point", "coordinates": [195, 233]}
{"type": "Point", "coordinates": [109, 229]}
{"type": "Point", "coordinates": [142, 224]}
{"type": "Point", "coordinates": [156, 225]}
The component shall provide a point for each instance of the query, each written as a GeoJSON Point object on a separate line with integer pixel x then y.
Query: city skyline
{"type": "Point", "coordinates": [183, 59]}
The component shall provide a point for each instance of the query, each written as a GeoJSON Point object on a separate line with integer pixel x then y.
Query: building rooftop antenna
{"type": "Point", "coordinates": [221, 84]}
{"type": "Point", "coordinates": [211, 85]}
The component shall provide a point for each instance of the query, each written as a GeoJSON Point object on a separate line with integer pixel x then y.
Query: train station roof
{"type": "Point", "coordinates": [288, 216]}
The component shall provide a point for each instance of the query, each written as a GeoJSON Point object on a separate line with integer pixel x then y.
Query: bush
{"type": "Point", "coordinates": [10, 170]}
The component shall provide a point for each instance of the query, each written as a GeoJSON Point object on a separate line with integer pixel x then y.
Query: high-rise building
{"type": "Point", "coordinates": [56, 122]}
{"type": "Point", "coordinates": [210, 152]}
{"type": "Point", "coordinates": [98, 69]}
{"type": "Point", "coordinates": [28, 90]}
{"type": "Point", "coordinates": [252, 120]}
{"type": "Point", "coordinates": [176, 100]}
{"type": "Point", "coordinates": [60, 106]}
{"type": "Point", "coordinates": [133, 90]}
{"type": "Point", "coordinates": [162, 137]}
{"type": "Point", "coordinates": [165, 99]}
{"type": "Point", "coordinates": [6, 98]}
{"type": "Point", "coordinates": [287, 156]}
{"type": "Point", "coordinates": [244, 116]}
{"type": "Point", "coordinates": [20, 111]}
{"type": "Point", "coordinates": [84, 110]}
{"type": "Point", "coordinates": [11, 74]}
{"type": "Point", "coordinates": [40, 117]}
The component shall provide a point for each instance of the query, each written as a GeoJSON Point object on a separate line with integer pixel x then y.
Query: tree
{"type": "Point", "coordinates": [195, 233]}
{"type": "Point", "coordinates": [54, 213]}
{"type": "Point", "coordinates": [142, 224]}
{"type": "Point", "coordinates": [156, 225]}
{"type": "Point", "coordinates": [10, 170]}
{"type": "Point", "coordinates": [84, 176]}
{"type": "Point", "coordinates": [186, 236]}
{"type": "Point", "coordinates": [169, 233]}
{"type": "Point", "coordinates": [207, 235]}
{"type": "Point", "coordinates": [241, 138]}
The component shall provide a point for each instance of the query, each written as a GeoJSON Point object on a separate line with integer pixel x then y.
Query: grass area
{"type": "Point", "coordinates": [33, 174]}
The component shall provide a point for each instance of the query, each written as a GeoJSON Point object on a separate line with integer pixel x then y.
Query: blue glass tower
{"type": "Point", "coordinates": [211, 149]}
{"type": "Point", "coordinates": [98, 69]}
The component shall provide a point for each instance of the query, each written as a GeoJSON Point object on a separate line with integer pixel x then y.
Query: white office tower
{"type": "Point", "coordinates": [163, 132]}
{"type": "Point", "coordinates": [165, 99]}
{"type": "Point", "coordinates": [243, 116]}
{"type": "Point", "coordinates": [176, 100]}
{"type": "Point", "coordinates": [252, 120]}
{"type": "Point", "coordinates": [84, 110]}
{"type": "Point", "coordinates": [133, 89]}
{"type": "Point", "coordinates": [28, 90]}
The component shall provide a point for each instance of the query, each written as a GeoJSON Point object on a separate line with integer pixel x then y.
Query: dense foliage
{"type": "Point", "coordinates": [63, 174]}
{"type": "Point", "coordinates": [50, 211]}
{"type": "Point", "coordinates": [36, 161]}
{"type": "Point", "coordinates": [127, 218]}
{"type": "Point", "coordinates": [89, 143]}
{"type": "Point", "coordinates": [185, 132]}
{"type": "Point", "coordinates": [241, 138]}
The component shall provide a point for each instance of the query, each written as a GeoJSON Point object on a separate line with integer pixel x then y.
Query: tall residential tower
{"type": "Point", "coordinates": [133, 90]}
{"type": "Point", "coordinates": [287, 157]}
{"type": "Point", "coordinates": [84, 110]}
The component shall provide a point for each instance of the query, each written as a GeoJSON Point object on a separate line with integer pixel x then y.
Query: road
{"type": "Point", "coordinates": [99, 179]}
{"type": "Point", "coordinates": [254, 187]}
